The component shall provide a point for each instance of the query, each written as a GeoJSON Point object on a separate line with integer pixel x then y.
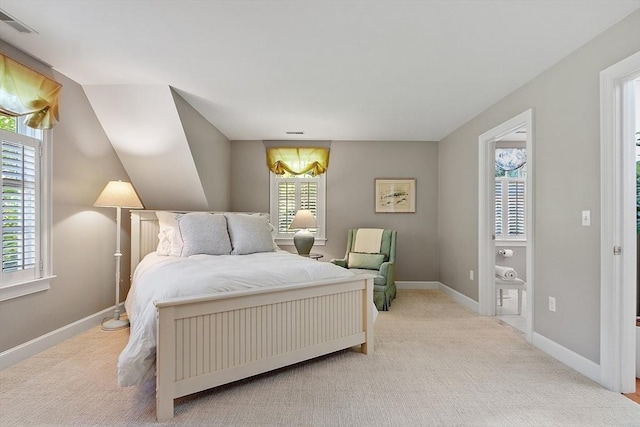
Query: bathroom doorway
{"type": "Point", "coordinates": [506, 235]}
{"type": "Point", "coordinates": [510, 189]}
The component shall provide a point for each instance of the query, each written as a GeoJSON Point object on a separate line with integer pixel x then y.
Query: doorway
{"type": "Point", "coordinates": [618, 228]}
{"type": "Point", "coordinates": [510, 238]}
{"type": "Point", "coordinates": [488, 255]}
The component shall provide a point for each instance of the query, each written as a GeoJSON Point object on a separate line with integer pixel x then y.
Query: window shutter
{"type": "Point", "coordinates": [309, 196]}
{"type": "Point", "coordinates": [19, 198]}
{"type": "Point", "coordinates": [286, 205]}
{"type": "Point", "coordinates": [516, 198]}
{"type": "Point", "coordinates": [498, 208]}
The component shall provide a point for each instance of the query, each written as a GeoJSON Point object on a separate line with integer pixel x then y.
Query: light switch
{"type": "Point", "coordinates": [586, 218]}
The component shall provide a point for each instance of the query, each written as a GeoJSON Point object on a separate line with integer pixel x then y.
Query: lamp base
{"type": "Point", "coordinates": [114, 324]}
{"type": "Point", "coordinates": [303, 240]}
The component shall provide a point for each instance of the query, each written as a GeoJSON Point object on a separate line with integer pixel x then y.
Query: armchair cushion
{"type": "Point", "coordinates": [366, 261]}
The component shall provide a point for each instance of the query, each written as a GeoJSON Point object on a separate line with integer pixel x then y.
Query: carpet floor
{"type": "Point", "coordinates": [436, 363]}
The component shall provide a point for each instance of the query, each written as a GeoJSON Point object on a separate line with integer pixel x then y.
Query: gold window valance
{"type": "Point", "coordinates": [298, 160]}
{"type": "Point", "coordinates": [25, 92]}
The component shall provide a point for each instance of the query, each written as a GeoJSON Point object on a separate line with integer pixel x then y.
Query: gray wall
{"type": "Point", "coordinates": [211, 154]}
{"type": "Point", "coordinates": [353, 166]}
{"type": "Point", "coordinates": [83, 236]}
{"type": "Point", "coordinates": [566, 106]}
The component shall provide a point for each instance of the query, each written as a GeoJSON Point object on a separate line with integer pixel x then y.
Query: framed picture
{"type": "Point", "coordinates": [395, 195]}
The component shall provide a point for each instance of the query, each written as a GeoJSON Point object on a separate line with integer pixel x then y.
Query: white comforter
{"type": "Point", "coordinates": [159, 278]}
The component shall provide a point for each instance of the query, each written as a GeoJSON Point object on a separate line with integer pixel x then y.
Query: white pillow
{"type": "Point", "coordinates": [203, 233]}
{"type": "Point", "coordinates": [169, 241]}
{"type": "Point", "coordinates": [249, 233]}
{"type": "Point", "coordinates": [164, 243]}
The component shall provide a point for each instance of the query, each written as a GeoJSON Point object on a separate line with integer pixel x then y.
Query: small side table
{"type": "Point", "coordinates": [315, 256]}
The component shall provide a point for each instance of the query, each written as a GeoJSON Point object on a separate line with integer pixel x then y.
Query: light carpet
{"type": "Point", "coordinates": [436, 363]}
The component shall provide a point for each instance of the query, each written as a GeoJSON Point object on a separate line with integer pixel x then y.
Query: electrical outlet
{"type": "Point", "coordinates": [552, 304]}
{"type": "Point", "coordinates": [470, 274]}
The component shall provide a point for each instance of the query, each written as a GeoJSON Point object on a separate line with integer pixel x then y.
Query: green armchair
{"type": "Point", "coordinates": [381, 265]}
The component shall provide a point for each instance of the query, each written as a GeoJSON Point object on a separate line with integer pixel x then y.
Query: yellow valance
{"type": "Point", "coordinates": [25, 92]}
{"type": "Point", "coordinates": [298, 160]}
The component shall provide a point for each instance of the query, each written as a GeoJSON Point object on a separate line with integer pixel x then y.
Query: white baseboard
{"type": "Point", "coordinates": [461, 298]}
{"type": "Point", "coordinates": [407, 284]}
{"type": "Point", "coordinates": [581, 364]}
{"type": "Point", "coordinates": [37, 345]}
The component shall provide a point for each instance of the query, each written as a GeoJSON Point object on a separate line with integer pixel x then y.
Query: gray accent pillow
{"type": "Point", "coordinates": [249, 233]}
{"type": "Point", "coordinates": [366, 261]}
{"type": "Point", "coordinates": [204, 233]}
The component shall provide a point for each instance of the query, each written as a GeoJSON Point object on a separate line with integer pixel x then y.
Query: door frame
{"type": "Point", "coordinates": [618, 229]}
{"type": "Point", "coordinates": [486, 213]}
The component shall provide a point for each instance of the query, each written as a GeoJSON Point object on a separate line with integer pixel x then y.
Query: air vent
{"type": "Point", "coordinates": [295, 132]}
{"type": "Point", "coordinates": [15, 24]}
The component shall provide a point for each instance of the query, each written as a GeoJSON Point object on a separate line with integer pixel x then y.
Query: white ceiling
{"type": "Point", "coordinates": [353, 70]}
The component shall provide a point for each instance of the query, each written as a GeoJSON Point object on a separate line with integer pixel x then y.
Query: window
{"type": "Point", "coordinates": [510, 190]}
{"type": "Point", "coordinates": [24, 210]}
{"type": "Point", "coordinates": [292, 192]}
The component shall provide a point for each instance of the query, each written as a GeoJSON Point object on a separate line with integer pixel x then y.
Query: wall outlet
{"type": "Point", "coordinates": [552, 304]}
{"type": "Point", "coordinates": [470, 274]}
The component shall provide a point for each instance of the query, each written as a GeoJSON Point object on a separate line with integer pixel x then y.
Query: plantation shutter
{"type": "Point", "coordinates": [309, 196]}
{"type": "Point", "coordinates": [515, 202]}
{"type": "Point", "coordinates": [286, 205]}
{"type": "Point", "coordinates": [295, 194]}
{"type": "Point", "coordinates": [20, 171]}
{"type": "Point", "coordinates": [498, 208]}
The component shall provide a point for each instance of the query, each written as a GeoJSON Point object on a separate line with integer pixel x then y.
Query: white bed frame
{"type": "Point", "coordinates": [212, 340]}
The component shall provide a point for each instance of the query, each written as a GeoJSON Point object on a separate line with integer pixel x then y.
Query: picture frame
{"type": "Point", "coordinates": [395, 195]}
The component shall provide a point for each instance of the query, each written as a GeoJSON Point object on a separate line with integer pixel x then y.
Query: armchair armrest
{"type": "Point", "coordinates": [340, 262]}
{"type": "Point", "coordinates": [387, 269]}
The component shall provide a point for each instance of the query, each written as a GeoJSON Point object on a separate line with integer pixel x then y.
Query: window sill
{"type": "Point", "coordinates": [25, 288]}
{"type": "Point", "coordinates": [289, 242]}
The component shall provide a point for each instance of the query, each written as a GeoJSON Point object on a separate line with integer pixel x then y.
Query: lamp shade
{"type": "Point", "coordinates": [118, 194]}
{"type": "Point", "coordinates": [304, 219]}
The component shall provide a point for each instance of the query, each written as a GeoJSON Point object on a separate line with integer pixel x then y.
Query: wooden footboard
{"type": "Point", "coordinates": [207, 342]}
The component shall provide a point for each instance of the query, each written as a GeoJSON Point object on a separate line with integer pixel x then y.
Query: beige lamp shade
{"type": "Point", "coordinates": [119, 194]}
{"type": "Point", "coordinates": [304, 219]}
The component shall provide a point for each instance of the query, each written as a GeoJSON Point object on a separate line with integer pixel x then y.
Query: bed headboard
{"type": "Point", "coordinates": [144, 233]}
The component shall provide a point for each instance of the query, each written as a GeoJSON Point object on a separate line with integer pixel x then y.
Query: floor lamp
{"type": "Point", "coordinates": [118, 194]}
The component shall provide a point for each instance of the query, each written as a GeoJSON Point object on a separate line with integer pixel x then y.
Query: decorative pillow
{"type": "Point", "coordinates": [249, 233]}
{"type": "Point", "coordinates": [203, 233]}
{"type": "Point", "coordinates": [366, 261]}
{"type": "Point", "coordinates": [169, 241]}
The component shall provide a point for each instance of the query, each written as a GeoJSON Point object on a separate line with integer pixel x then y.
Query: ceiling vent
{"type": "Point", "coordinates": [15, 24]}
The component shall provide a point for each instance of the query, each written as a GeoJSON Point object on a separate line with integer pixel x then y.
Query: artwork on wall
{"type": "Point", "coordinates": [395, 195]}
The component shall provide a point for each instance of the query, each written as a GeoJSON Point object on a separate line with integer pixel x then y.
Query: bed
{"type": "Point", "coordinates": [194, 336]}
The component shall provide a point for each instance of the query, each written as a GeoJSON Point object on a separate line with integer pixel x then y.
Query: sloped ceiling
{"type": "Point", "coordinates": [144, 127]}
